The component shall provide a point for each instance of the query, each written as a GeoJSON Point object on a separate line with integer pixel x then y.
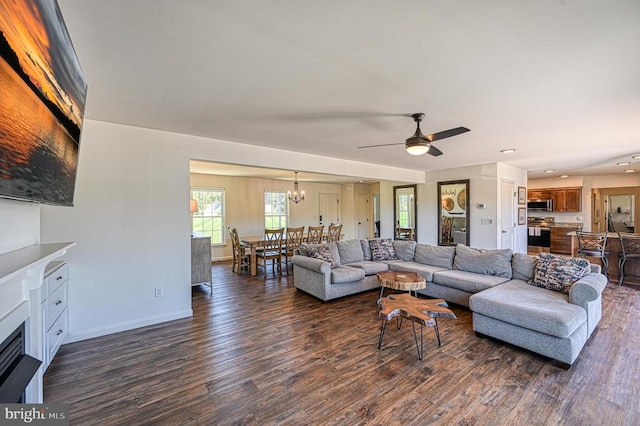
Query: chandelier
{"type": "Point", "coordinates": [296, 196]}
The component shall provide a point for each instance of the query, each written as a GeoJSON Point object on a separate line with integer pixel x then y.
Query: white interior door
{"type": "Point", "coordinates": [507, 223]}
{"type": "Point", "coordinates": [329, 211]}
{"type": "Point", "coordinates": [363, 216]}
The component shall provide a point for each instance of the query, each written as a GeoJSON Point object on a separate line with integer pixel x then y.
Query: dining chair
{"type": "Point", "coordinates": [241, 259]}
{"type": "Point", "coordinates": [271, 250]}
{"type": "Point", "coordinates": [334, 232]}
{"type": "Point", "coordinates": [314, 234]}
{"type": "Point", "coordinates": [293, 241]}
{"type": "Point", "coordinates": [594, 244]}
{"type": "Point", "coordinates": [630, 245]}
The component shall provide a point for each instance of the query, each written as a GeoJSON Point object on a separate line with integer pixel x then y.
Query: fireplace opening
{"type": "Point", "coordinates": [16, 368]}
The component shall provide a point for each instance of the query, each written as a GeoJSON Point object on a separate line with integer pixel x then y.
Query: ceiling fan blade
{"type": "Point", "coordinates": [434, 151]}
{"type": "Point", "coordinates": [384, 144]}
{"type": "Point", "coordinates": [446, 134]}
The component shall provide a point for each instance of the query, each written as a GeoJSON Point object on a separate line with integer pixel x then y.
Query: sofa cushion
{"type": "Point", "coordinates": [519, 303]}
{"type": "Point", "coordinates": [435, 255]}
{"type": "Point", "coordinates": [426, 271]}
{"type": "Point", "coordinates": [346, 274]}
{"type": "Point", "coordinates": [366, 250]}
{"type": "Point", "coordinates": [558, 273]}
{"type": "Point", "coordinates": [370, 268]}
{"type": "Point", "coordinates": [488, 262]}
{"type": "Point", "coordinates": [404, 249]}
{"type": "Point", "coordinates": [322, 252]}
{"type": "Point", "coordinates": [350, 251]}
{"type": "Point", "coordinates": [467, 281]}
{"type": "Point", "coordinates": [382, 249]}
{"type": "Point", "coordinates": [523, 266]}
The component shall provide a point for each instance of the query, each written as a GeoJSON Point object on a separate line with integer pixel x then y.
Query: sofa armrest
{"type": "Point", "coordinates": [312, 264]}
{"type": "Point", "coordinates": [587, 289]}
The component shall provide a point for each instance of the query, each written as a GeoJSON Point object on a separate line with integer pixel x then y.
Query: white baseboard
{"type": "Point", "coordinates": [129, 325]}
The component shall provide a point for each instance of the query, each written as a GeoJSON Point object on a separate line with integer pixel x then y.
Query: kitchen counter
{"type": "Point", "coordinates": [567, 225]}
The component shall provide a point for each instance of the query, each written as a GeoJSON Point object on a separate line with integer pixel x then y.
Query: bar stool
{"type": "Point", "coordinates": [594, 244]}
{"type": "Point", "coordinates": [630, 245]}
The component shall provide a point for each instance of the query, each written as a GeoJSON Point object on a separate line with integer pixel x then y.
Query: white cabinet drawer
{"type": "Point", "coordinates": [54, 279]}
{"type": "Point", "coordinates": [54, 305]}
{"type": "Point", "coordinates": [56, 335]}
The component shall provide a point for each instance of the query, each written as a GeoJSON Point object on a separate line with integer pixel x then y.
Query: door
{"type": "Point", "coordinates": [329, 212]}
{"type": "Point", "coordinates": [507, 222]}
{"type": "Point", "coordinates": [363, 216]}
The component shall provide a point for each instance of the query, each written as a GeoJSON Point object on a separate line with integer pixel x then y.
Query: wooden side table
{"type": "Point", "coordinates": [421, 311]}
{"type": "Point", "coordinates": [400, 280]}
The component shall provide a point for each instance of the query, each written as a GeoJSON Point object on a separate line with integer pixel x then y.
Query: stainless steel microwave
{"type": "Point", "coordinates": [540, 205]}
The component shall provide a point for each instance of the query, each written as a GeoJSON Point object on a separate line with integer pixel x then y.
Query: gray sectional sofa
{"type": "Point", "coordinates": [494, 284]}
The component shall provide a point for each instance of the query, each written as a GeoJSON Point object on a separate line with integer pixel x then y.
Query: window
{"type": "Point", "coordinates": [209, 219]}
{"type": "Point", "coordinates": [275, 210]}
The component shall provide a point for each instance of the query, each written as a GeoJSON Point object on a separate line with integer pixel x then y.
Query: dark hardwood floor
{"type": "Point", "coordinates": [259, 352]}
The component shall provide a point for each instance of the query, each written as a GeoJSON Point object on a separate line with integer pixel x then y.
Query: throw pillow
{"type": "Point", "coordinates": [404, 249]}
{"type": "Point", "coordinates": [523, 266]}
{"type": "Point", "coordinates": [559, 273]}
{"type": "Point", "coordinates": [321, 252]}
{"type": "Point", "coordinates": [441, 256]}
{"type": "Point", "coordinates": [382, 249]}
{"type": "Point", "coordinates": [366, 250]}
{"type": "Point", "coordinates": [350, 251]}
{"type": "Point", "coordinates": [487, 262]}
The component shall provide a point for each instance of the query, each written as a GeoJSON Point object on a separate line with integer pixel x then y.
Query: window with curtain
{"type": "Point", "coordinates": [275, 210]}
{"type": "Point", "coordinates": [209, 219]}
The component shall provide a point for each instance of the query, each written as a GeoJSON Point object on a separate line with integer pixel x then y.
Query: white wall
{"type": "Point", "coordinates": [19, 225]}
{"type": "Point", "coordinates": [131, 225]}
{"type": "Point", "coordinates": [132, 222]}
{"type": "Point", "coordinates": [484, 187]}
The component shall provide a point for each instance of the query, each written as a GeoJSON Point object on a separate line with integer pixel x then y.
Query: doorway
{"type": "Point", "coordinates": [328, 209]}
{"type": "Point", "coordinates": [507, 223]}
{"type": "Point", "coordinates": [363, 216]}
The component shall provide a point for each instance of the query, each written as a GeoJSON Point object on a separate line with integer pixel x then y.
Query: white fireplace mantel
{"type": "Point", "coordinates": [21, 277]}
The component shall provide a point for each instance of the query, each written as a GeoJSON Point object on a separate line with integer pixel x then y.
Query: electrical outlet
{"type": "Point", "coordinates": [159, 291]}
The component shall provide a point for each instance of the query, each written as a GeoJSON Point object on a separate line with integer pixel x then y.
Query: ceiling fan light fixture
{"type": "Point", "coordinates": [417, 148]}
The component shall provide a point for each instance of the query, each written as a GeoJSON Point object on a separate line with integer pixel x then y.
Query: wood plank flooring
{"type": "Point", "coordinates": [258, 352]}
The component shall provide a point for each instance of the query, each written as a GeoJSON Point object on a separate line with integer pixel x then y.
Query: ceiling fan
{"type": "Point", "coordinates": [419, 144]}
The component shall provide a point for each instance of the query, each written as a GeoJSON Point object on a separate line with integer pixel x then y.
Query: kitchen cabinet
{"type": "Point", "coordinates": [560, 241]}
{"type": "Point", "coordinates": [567, 199]}
{"type": "Point", "coordinates": [538, 194]}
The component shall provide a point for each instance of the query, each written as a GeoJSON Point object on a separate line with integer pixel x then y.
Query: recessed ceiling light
{"type": "Point", "coordinates": [624, 163]}
{"type": "Point", "coordinates": [508, 150]}
{"type": "Point", "coordinates": [549, 171]}
{"type": "Point", "coordinates": [630, 170]}
{"type": "Point", "coordinates": [564, 176]}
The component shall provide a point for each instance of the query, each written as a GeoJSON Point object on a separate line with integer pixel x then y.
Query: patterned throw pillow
{"type": "Point", "coordinates": [382, 250]}
{"type": "Point", "coordinates": [323, 253]}
{"type": "Point", "coordinates": [558, 272]}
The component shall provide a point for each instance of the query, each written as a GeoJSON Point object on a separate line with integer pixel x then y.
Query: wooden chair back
{"type": "Point", "coordinates": [294, 238]}
{"type": "Point", "coordinates": [314, 235]}
{"type": "Point", "coordinates": [273, 239]}
{"type": "Point", "coordinates": [334, 232]}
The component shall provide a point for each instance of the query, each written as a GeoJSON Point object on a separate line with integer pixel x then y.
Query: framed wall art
{"type": "Point", "coordinates": [522, 195]}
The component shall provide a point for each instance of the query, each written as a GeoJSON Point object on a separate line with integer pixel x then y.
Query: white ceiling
{"type": "Point", "coordinates": [557, 80]}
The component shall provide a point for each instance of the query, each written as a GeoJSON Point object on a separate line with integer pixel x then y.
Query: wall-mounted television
{"type": "Point", "coordinates": [42, 101]}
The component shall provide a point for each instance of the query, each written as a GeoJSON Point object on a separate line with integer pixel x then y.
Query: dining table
{"type": "Point", "coordinates": [253, 243]}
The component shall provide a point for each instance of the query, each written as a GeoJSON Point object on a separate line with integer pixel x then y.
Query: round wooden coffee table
{"type": "Point", "coordinates": [401, 280]}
